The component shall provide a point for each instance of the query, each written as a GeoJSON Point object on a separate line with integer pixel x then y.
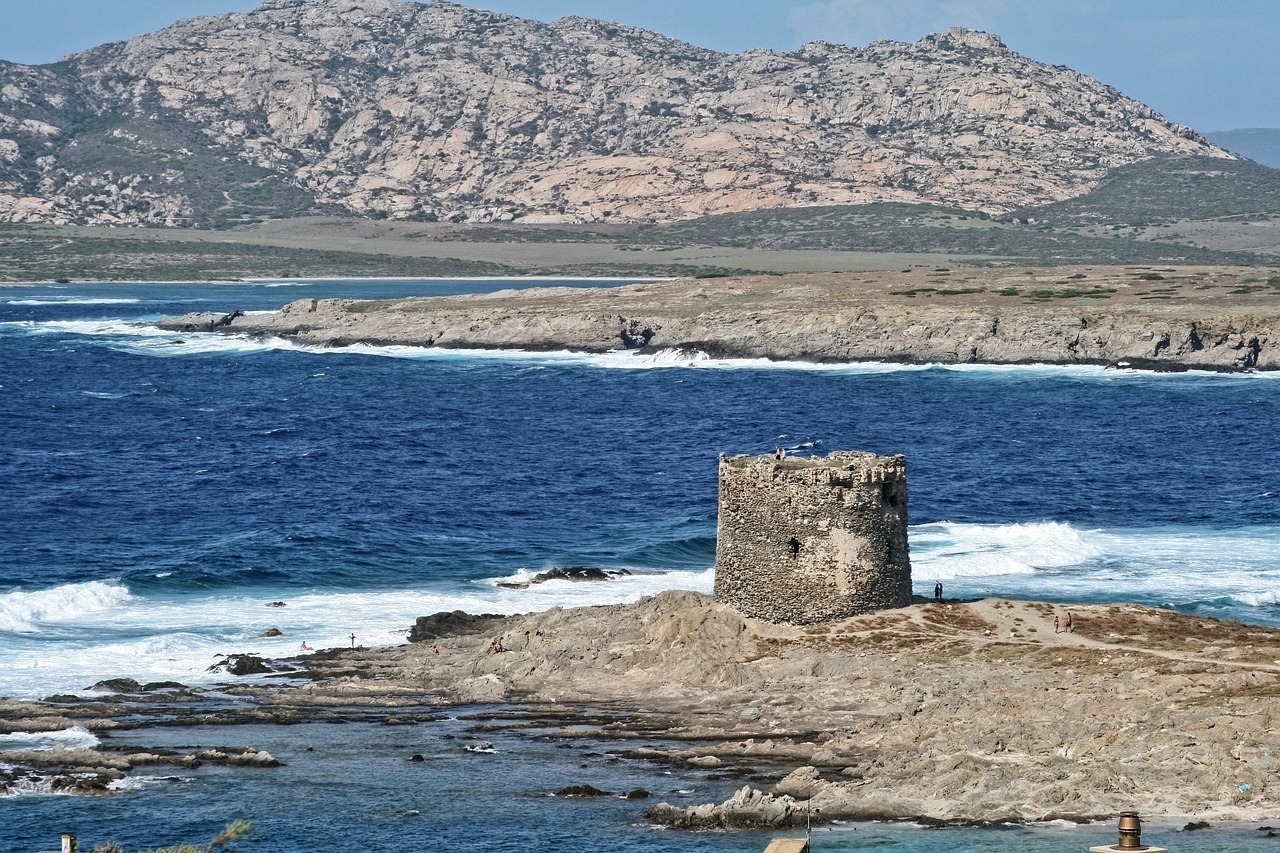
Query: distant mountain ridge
{"type": "Point", "coordinates": [1259, 144]}
{"type": "Point", "coordinates": [403, 110]}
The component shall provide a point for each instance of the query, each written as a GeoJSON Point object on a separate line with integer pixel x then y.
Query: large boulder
{"type": "Point", "coordinates": [242, 665]}
{"type": "Point", "coordinates": [199, 321]}
{"type": "Point", "coordinates": [453, 623]}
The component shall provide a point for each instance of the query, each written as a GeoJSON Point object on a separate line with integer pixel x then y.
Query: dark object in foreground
{"type": "Point", "coordinates": [1130, 837]}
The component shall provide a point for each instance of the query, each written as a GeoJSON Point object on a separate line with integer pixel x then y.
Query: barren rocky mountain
{"type": "Point", "coordinates": [440, 111]}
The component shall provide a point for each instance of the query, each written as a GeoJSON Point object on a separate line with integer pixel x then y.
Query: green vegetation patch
{"type": "Point", "coordinates": [1066, 293]}
{"type": "Point", "coordinates": [1165, 190]}
{"type": "Point", "coordinates": [924, 229]}
{"type": "Point", "coordinates": [34, 254]}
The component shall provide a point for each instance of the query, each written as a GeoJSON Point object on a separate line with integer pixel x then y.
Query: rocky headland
{"type": "Point", "coordinates": [1210, 318]}
{"type": "Point", "coordinates": [943, 712]}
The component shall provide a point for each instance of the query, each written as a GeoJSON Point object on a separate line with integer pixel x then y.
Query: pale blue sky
{"type": "Point", "coordinates": [1212, 64]}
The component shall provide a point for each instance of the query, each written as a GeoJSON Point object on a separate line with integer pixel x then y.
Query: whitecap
{"type": "Point", "coordinates": [138, 782]}
{"type": "Point", "coordinates": [76, 737]}
{"type": "Point", "coordinates": [74, 301]}
{"type": "Point", "coordinates": [176, 640]}
{"type": "Point", "coordinates": [1210, 570]}
{"type": "Point", "coordinates": [28, 786]}
{"type": "Point", "coordinates": [89, 328]}
{"type": "Point", "coordinates": [1258, 599]}
{"type": "Point", "coordinates": [26, 612]}
{"type": "Point", "coordinates": [949, 550]}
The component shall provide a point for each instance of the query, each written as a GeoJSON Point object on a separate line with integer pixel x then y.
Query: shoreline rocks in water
{"type": "Point", "coordinates": [942, 712]}
{"type": "Point", "coordinates": [1207, 318]}
{"type": "Point", "coordinates": [575, 574]}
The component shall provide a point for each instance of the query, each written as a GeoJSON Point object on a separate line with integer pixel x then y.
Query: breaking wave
{"type": "Point", "coordinates": [25, 612]}
{"type": "Point", "coordinates": [948, 550]}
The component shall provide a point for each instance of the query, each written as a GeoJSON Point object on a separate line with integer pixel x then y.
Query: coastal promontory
{"type": "Point", "coordinates": [1211, 318]}
{"type": "Point", "coordinates": [945, 711]}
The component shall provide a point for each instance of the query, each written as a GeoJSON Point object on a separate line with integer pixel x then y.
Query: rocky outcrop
{"type": "Point", "coordinates": [440, 111]}
{"type": "Point", "coordinates": [242, 664]}
{"type": "Point", "coordinates": [451, 623]}
{"type": "Point", "coordinates": [1204, 318]}
{"type": "Point", "coordinates": [944, 712]}
{"type": "Point", "coordinates": [86, 771]}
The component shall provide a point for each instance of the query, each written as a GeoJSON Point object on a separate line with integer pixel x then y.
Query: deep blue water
{"type": "Point", "coordinates": [160, 488]}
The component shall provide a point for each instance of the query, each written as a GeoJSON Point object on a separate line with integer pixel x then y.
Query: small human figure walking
{"type": "Point", "coordinates": [1055, 624]}
{"type": "Point", "coordinates": [1070, 628]}
{"type": "Point", "coordinates": [937, 591]}
{"type": "Point", "coordinates": [353, 640]}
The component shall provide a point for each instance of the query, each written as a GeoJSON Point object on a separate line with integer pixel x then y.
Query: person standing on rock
{"type": "Point", "coordinates": [937, 591]}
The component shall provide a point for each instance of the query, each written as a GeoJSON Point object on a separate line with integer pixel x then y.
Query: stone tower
{"type": "Point", "coordinates": [812, 539]}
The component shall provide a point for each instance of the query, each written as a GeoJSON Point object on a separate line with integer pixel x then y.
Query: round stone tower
{"type": "Point", "coordinates": [813, 539]}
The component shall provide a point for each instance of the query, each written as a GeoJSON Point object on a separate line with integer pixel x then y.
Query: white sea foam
{"type": "Point", "coordinates": [26, 612]}
{"type": "Point", "coordinates": [1171, 566]}
{"type": "Point", "coordinates": [178, 640]}
{"type": "Point", "coordinates": [75, 737]}
{"type": "Point", "coordinates": [946, 550]}
{"type": "Point", "coordinates": [137, 782]}
{"type": "Point", "coordinates": [134, 335]}
{"type": "Point", "coordinates": [28, 787]}
{"type": "Point", "coordinates": [126, 329]}
{"type": "Point", "coordinates": [64, 639]}
{"type": "Point", "coordinates": [1258, 599]}
{"type": "Point", "coordinates": [74, 301]}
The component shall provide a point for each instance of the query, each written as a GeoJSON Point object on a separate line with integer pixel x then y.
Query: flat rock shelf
{"type": "Point", "coordinates": [941, 712]}
{"type": "Point", "coordinates": [1207, 318]}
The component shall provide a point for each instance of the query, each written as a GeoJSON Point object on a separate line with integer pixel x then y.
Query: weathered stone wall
{"type": "Point", "coordinates": [806, 540]}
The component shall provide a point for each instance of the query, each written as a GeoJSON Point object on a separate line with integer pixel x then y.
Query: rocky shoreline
{"type": "Point", "coordinates": [1223, 319]}
{"type": "Point", "coordinates": [942, 712]}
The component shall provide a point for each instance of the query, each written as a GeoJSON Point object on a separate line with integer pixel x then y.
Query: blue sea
{"type": "Point", "coordinates": [159, 489]}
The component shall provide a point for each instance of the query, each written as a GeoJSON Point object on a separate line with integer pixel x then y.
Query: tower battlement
{"type": "Point", "coordinates": [812, 539]}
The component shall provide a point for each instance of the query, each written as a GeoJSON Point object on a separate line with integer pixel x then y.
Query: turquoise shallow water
{"type": "Point", "coordinates": [161, 488]}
